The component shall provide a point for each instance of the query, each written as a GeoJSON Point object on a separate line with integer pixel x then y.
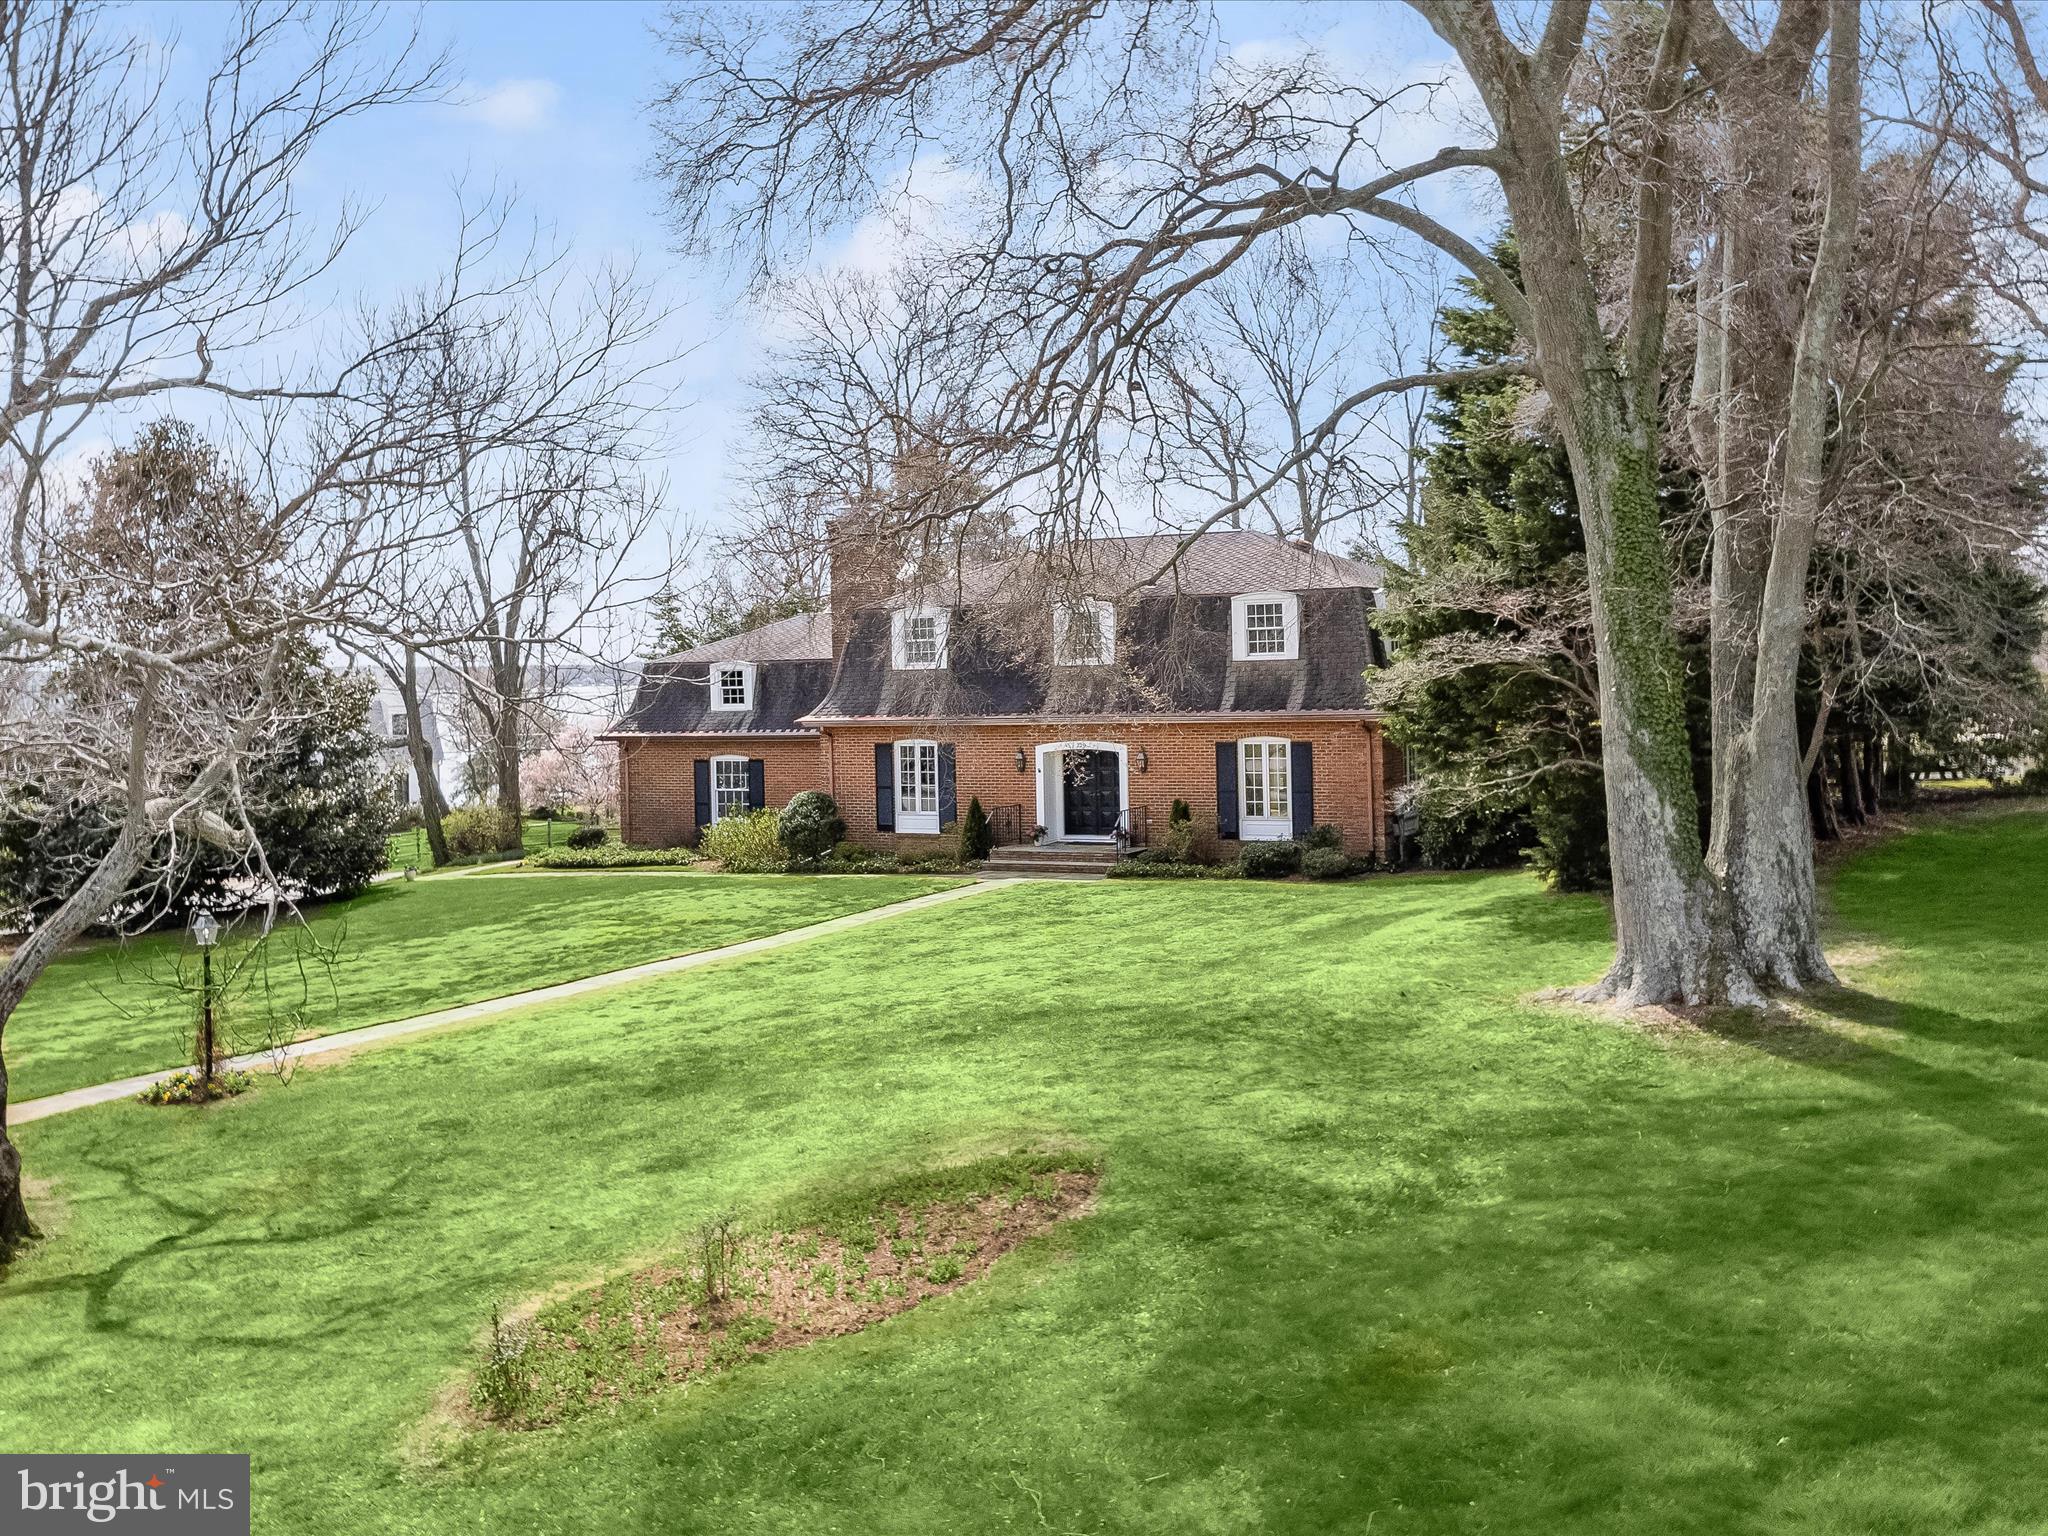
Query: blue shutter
{"type": "Point", "coordinates": [703, 771]}
{"type": "Point", "coordinates": [1302, 776]}
{"type": "Point", "coordinates": [949, 810]}
{"type": "Point", "coordinates": [757, 783]}
{"type": "Point", "coordinates": [1226, 789]}
{"type": "Point", "coordinates": [885, 787]}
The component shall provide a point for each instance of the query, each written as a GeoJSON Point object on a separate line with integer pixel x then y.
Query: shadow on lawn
{"type": "Point", "coordinates": [200, 1234]}
{"type": "Point", "coordinates": [1980, 1104]}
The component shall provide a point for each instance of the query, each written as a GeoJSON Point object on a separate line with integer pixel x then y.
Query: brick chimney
{"type": "Point", "coordinates": [860, 572]}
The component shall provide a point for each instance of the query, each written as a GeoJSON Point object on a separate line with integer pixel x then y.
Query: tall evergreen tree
{"type": "Point", "coordinates": [1493, 694]}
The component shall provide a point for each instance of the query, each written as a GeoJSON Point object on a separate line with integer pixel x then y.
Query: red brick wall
{"type": "Point", "coordinates": [1350, 785]}
{"type": "Point", "coordinates": [657, 780]}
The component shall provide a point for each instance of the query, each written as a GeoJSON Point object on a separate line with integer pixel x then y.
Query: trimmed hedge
{"type": "Point", "coordinates": [1133, 869]}
{"type": "Point", "coordinates": [610, 856]}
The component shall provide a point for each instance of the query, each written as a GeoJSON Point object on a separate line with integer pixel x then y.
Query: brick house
{"type": "Point", "coordinates": [1235, 681]}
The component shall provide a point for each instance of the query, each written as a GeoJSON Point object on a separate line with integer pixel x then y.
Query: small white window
{"type": "Point", "coordinates": [732, 686]}
{"type": "Point", "coordinates": [918, 638]}
{"type": "Point", "coordinates": [917, 786]}
{"type": "Point", "coordinates": [1265, 626]}
{"type": "Point", "coordinates": [728, 787]}
{"type": "Point", "coordinates": [1086, 633]}
{"type": "Point", "coordinates": [400, 725]}
{"type": "Point", "coordinates": [1266, 805]}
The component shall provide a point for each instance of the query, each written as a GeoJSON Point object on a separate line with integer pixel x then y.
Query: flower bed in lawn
{"type": "Point", "coordinates": [732, 1295]}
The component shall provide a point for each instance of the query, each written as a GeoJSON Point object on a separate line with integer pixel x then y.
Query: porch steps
{"type": "Point", "coordinates": [1050, 861]}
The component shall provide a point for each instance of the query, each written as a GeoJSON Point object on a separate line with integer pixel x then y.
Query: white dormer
{"type": "Point", "coordinates": [732, 685]}
{"type": "Point", "coordinates": [1084, 633]}
{"type": "Point", "coordinates": [917, 638]}
{"type": "Point", "coordinates": [1265, 626]}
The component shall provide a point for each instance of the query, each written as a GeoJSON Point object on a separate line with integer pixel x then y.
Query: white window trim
{"type": "Point", "coordinates": [728, 758]}
{"type": "Point", "coordinates": [1105, 620]}
{"type": "Point", "coordinates": [746, 671]}
{"type": "Point", "coordinates": [1240, 636]}
{"type": "Point", "coordinates": [1269, 828]}
{"type": "Point", "coordinates": [916, 823]}
{"type": "Point", "coordinates": [899, 638]}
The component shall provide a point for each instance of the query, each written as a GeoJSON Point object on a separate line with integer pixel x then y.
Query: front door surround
{"type": "Point", "coordinates": [1083, 789]}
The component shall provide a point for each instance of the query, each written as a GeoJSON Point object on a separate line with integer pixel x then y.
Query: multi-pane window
{"type": "Point", "coordinates": [1263, 765]}
{"type": "Point", "coordinates": [921, 640]}
{"type": "Point", "coordinates": [729, 686]}
{"type": "Point", "coordinates": [400, 725]}
{"type": "Point", "coordinates": [1265, 629]}
{"type": "Point", "coordinates": [1084, 634]}
{"type": "Point", "coordinates": [917, 778]}
{"type": "Point", "coordinates": [728, 787]}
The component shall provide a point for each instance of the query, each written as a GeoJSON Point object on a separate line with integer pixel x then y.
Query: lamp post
{"type": "Point", "coordinates": [205, 934]}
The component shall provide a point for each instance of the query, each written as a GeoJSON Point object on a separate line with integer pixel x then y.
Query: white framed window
{"type": "Point", "coordinates": [1265, 805]}
{"type": "Point", "coordinates": [917, 786]}
{"type": "Point", "coordinates": [732, 685]}
{"type": "Point", "coordinates": [1084, 633]}
{"type": "Point", "coordinates": [728, 787]}
{"type": "Point", "coordinates": [1265, 626]}
{"type": "Point", "coordinates": [917, 638]}
{"type": "Point", "coordinates": [400, 725]}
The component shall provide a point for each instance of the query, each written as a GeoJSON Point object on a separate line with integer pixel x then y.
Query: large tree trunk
{"type": "Point", "coordinates": [1671, 937]}
{"type": "Point", "coordinates": [433, 805]}
{"type": "Point", "coordinates": [110, 877]}
{"type": "Point", "coordinates": [1762, 851]}
{"type": "Point", "coordinates": [505, 742]}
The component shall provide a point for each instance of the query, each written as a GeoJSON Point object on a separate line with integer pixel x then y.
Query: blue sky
{"type": "Point", "coordinates": [552, 104]}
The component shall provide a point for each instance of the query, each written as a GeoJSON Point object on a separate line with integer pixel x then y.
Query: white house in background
{"type": "Point", "coordinates": [389, 725]}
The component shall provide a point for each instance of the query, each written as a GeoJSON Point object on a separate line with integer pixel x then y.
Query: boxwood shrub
{"type": "Point", "coordinates": [1328, 864]}
{"type": "Point", "coordinates": [1269, 861]}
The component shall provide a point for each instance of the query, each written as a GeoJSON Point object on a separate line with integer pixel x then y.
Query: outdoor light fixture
{"type": "Point", "coordinates": [205, 931]}
{"type": "Point", "coordinates": [1144, 762]}
{"type": "Point", "coordinates": [1020, 759]}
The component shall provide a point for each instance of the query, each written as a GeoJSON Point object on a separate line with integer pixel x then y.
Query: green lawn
{"type": "Point", "coordinates": [111, 1010]}
{"type": "Point", "coordinates": [1379, 1246]}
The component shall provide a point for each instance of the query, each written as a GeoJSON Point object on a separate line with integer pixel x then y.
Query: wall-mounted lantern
{"type": "Point", "coordinates": [1020, 760]}
{"type": "Point", "coordinates": [1144, 762]}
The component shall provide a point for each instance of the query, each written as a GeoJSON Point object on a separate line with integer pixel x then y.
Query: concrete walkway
{"type": "Point", "coordinates": [471, 1013]}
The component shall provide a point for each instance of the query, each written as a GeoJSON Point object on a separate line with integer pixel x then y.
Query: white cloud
{"type": "Point", "coordinates": [926, 203]}
{"type": "Point", "coordinates": [512, 105]}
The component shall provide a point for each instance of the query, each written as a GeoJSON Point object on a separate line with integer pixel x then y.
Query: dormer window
{"type": "Point", "coordinates": [1085, 633]}
{"type": "Point", "coordinates": [918, 638]}
{"type": "Point", "coordinates": [732, 685]}
{"type": "Point", "coordinates": [1265, 626]}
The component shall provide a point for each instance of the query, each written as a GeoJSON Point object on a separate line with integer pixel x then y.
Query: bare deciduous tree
{"type": "Point", "coordinates": [1131, 164]}
{"type": "Point", "coordinates": [151, 250]}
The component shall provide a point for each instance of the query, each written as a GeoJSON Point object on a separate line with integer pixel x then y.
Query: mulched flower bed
{"type": "Point", "coordinates": [733, 1296]}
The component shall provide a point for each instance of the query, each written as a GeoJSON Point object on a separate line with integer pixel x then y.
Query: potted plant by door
{"type": "Point", "coordinates": [1037, 833]}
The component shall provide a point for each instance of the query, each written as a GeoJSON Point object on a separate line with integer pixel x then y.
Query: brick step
{"type": "Point", "coordinates": [1000, 863]}
{"type": "Point", "coordinates": [1039, 872]}
{"type": "Point", "coordinates": [1057, 853]}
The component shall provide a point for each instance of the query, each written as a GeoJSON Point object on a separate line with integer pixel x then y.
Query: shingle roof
{"type": "Point", "coordinates": [1173, 656]}
{"type": "Point", "coordinates": [1173, 650]}
{"type": "Point", "coordinates": [674, 699]}
{"type": "Point", "coordinates": [1221, 561]}
{"type": "Point", "coordinates": [806, 637]}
